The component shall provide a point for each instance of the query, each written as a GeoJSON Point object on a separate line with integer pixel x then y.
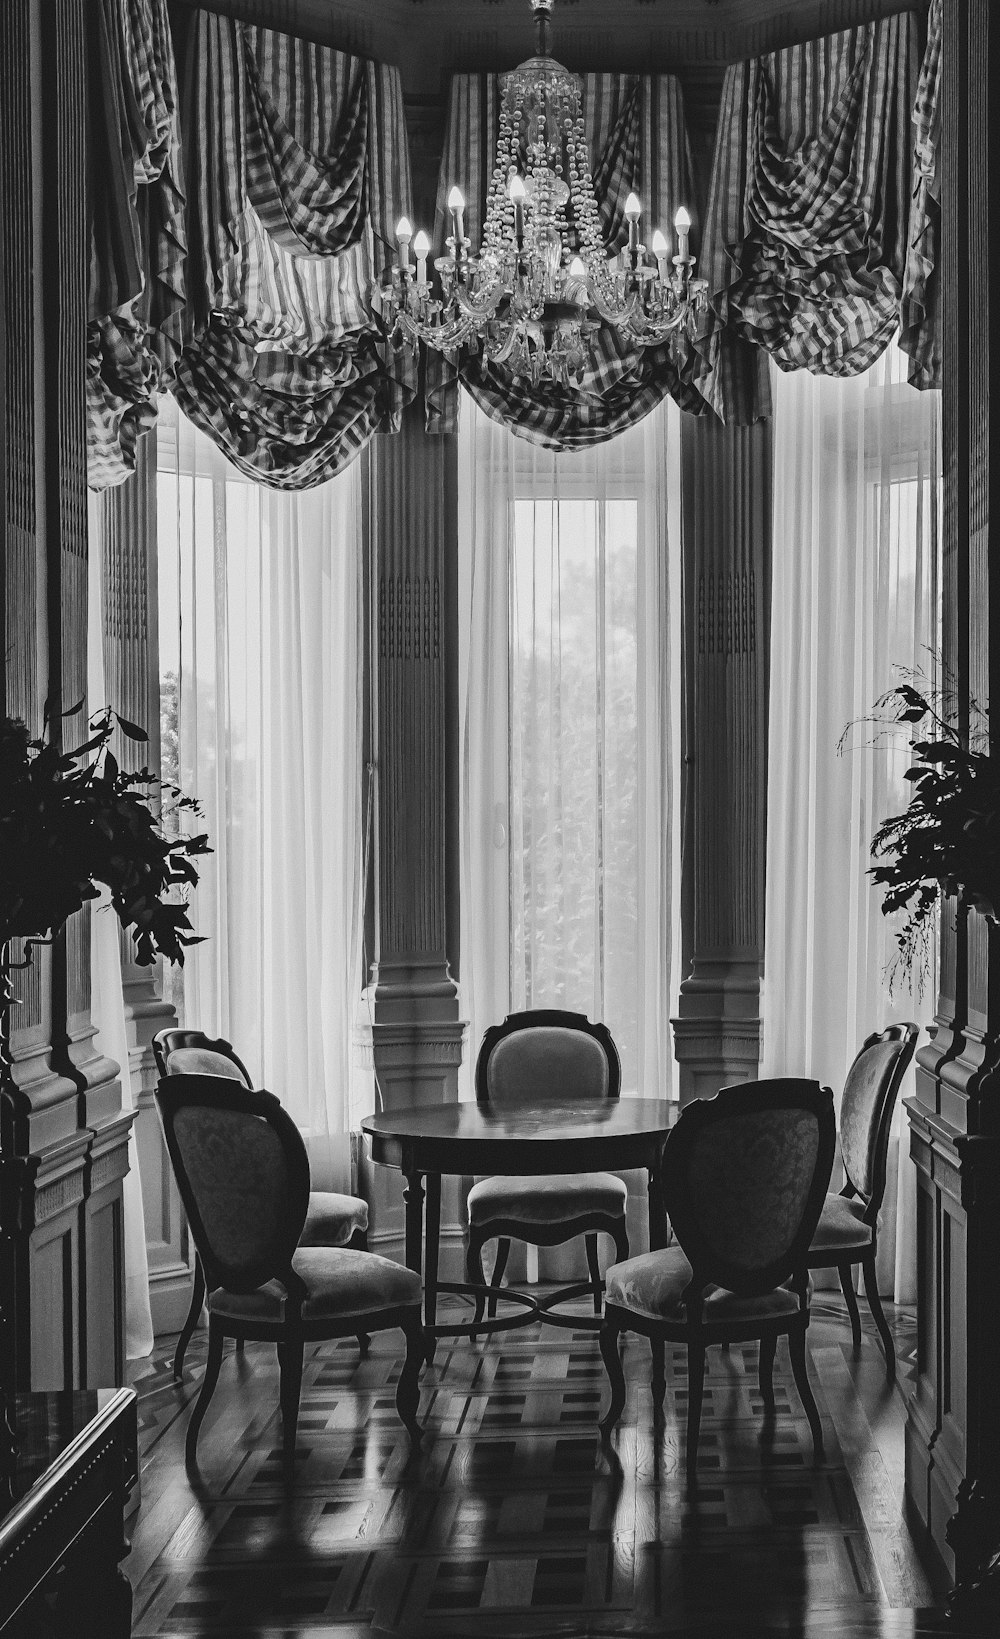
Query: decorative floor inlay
{"type": "Point", "coordinates": [511, 1519]}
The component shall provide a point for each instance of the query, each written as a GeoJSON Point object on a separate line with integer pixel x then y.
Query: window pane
{"type": "Point", "coordinates": [574, 764]}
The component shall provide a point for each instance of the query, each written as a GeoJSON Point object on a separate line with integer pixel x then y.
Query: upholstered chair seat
{"type": "Point", "coordinates": [332, 1219]}
{"type": "Point", "coordinates": [546, 1200]}
{"type": "Point", "coordinates": [538, 1057]}
{"type": "Point", "coordinates": [841, 1226]}
{"type": "Point", "coordinates": [243, 1176]}
{"type": "Point", "coordinates": [744, 1178]}
{"type": "Point", "coordinates": [654, 1284]}
{"type": "Point", "coordinates": [340, 1285]}
{"type": "Point", "coordinates": [847, 1233]}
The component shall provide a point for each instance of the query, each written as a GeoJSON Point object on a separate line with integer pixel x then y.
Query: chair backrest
{"type": "Point", "coordinates": [866, 1108]}
{"type": "Point", "coordinates": [745, 1175]}
{"type": "Point", "coordinates": [546, 1056]}
{"type": "Point", "coordinates": [243, 1176]}
{"type": "Point", "coordinates": [192, 1053]}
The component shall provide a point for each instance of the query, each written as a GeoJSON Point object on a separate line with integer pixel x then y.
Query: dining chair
{"type": "Point", "coordinates": [545, 1056]}
{"type": "Point", "coordinates": [332, 1219]}
{"type": "Point", "coordinates": [243, 1175]}
{"type": "Point", "coordinates": [847, 1232]}
{"type": "Point", "coordinates": [744, 1177]}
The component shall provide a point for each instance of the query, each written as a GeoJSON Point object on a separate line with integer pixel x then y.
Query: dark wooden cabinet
{"type": "Point", "coordinates": [62, 1536]}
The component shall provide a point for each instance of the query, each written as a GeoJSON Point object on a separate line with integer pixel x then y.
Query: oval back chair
{"type": "Point", "coordinates": [545, 1056]}
{"type": "Point", "coordinates": [243, 1177]}
{"type": "Point", "coordinates": [744, 1177]}
{"type": "Point", "coordinates": [847, 1233]}
{"type": "Point", "coordinates": [331, 1219]}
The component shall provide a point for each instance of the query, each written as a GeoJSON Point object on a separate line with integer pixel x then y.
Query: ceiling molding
{"type": "Point", "coordinates": [430, 39]}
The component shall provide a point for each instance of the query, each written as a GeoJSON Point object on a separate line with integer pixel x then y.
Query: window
{"type": "Point", "coordinates": [570, 732]}
{"type": "Point", "coordinates": [260, 606]}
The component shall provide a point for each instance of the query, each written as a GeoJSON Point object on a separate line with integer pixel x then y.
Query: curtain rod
{"type": "Point", "coordinates": [485, 37]}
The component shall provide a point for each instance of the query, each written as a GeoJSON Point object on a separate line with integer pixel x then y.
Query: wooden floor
{"type": "Point", "coordinates": [511, 1520]}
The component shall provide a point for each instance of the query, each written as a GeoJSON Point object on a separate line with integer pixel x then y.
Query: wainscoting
{"type": "Point", "coordinates": [511, 1520]}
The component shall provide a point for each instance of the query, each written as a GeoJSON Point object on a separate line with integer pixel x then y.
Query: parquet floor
{"type": "Point", "coordinates": [511, 1520]}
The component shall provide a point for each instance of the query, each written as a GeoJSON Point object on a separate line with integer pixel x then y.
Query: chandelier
{"type": "Point", "coordinates": [543, 281]}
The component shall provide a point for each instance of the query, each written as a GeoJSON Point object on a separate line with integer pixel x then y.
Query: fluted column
{"type": "Point", "coordinates": [417, 1034]}
{"type": "Point", "coordinates": [953, 1419]}
{"type": "Point", "coordinates": [727, 555]}
{"type": "Point", "coordinates": [64, 1137]}
{"type": "Point", "coordinates": [132, 687]}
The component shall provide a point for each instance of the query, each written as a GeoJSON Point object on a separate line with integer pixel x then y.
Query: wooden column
{"type": "Point", "coordinates": [64, 1135]}
{"type": "Point", "coordinates": [132, 687]}
{"type": "Point", "coordinates": [417, 1035]}
{"type": "Point", "coordinates": [727, 557]}
{"type": "Point", "coordinates": [953, 1423]}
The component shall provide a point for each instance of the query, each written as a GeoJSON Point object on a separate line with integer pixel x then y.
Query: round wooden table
{"type": "Point", "coordinates": [430, 1140]}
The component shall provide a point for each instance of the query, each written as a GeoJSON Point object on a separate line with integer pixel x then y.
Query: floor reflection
{"type": "Point", "coordinates": [512, 1519]}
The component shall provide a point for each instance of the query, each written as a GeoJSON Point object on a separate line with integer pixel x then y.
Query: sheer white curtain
{"type": "Point", "coordinates": [855, 594]}
{"type": "Point", "coordinates": [260, 620]}
{"type": "Point", "coordinates": [569, 681]}
{"type": "Point", "coordinates": [107, 995]}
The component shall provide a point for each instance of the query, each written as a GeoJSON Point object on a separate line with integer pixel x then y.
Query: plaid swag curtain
{"type": "Point", "coordinates": [297, 168]}
{"type": "Point", "coordinates": [920, 310]}
{"type": "Point", "coordinates": [808, 229]}
{"type": "Point", "coordinates": [638, 140]}
{"type": "Point", "coordinates": [248, 300]}
{"type": "Point", "coordinates": [136, 285]}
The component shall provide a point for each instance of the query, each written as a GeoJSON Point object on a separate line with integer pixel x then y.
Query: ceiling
{"type": "Point", "coordinates": [430, 38]}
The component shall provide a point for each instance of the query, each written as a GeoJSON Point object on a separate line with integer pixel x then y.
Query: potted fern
{"type": "Point", "coordinates": [947, 841]}
{"type": "Point", "coordinates": [71, 821]}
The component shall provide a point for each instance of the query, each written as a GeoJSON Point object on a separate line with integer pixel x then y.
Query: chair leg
{"type": "Point", "coordinates": [239, 1345]}
{"type": "Point", "coordinates": [800, 1372]}
{"type": "Point", "coordinates": [364, 1343]}
{"type": "Point", "coordinates": [503, 1253]}
{"type": "Point", "coordinates": [194, 1311]}
{"type": "Point", "coordinates": [658, 1352]}
{"type": "Point", "coordinates": [408, 1386]}
{"type": "Point", "coordinates": [209, 1381]}
{"type": "Point", "coordinates": [616, 1377]}
{"type": "Point", "coordinates": [696, 1389]}
{"type": "Point", "coordinates": [476, 1275]}
{"type": "Point", "coordinates": [621, 1241]}
{"type": "Point", "coordinates": [844, 1270]}
{"type": "Point", "coordinates": [765, 1371]}
{"type": "Point", "coordinates": [290, 1386]}
{"type": "Point", "coordinates": [595, 1270]}
{"type": "Point", "coordinates": [875, 1305]}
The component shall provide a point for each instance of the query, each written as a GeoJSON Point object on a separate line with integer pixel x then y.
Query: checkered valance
{"type": "Point", "coordinates": [808, 222]}
{"type": "Point", "coordinates": [305, 149]}
{"type": "Point", "coordinates": [638, 141]}
{"type": "Point", "coordinates": [136, 287]}
{"type": "Point", "coordinates": [296, 167]}
{"type": "Point", "coordinates": [920, 310]}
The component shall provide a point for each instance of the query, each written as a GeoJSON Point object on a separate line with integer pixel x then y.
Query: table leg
{"type": "Point", "coordinates": [433, 1231]}
{"type": "Point", "coordinates": [413, 1199]}
{"type": "Point", "coordinates": [659, 1233]}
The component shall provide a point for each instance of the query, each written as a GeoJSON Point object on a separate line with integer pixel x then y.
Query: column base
{"type": "Point", "coordinates": [717, 1031]}
{"type": "Point", "coordinates": [415, 1054]}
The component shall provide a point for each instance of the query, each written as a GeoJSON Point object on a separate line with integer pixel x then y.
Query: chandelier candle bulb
{"type": "Point", "coordinates": [660, 249]}
{"type": "Point", "coordinates": [633, 211]}
{"type": "Point", "coordinates": [421, 248]}
{"type": "Point", "coordinates": [456, 204]}
{"type": "Point", "coordinates": [404, 233]}
{"type": "Point", "coordinates": [682, 222]}
{"type": "Point", "coordinates": [518, 194]}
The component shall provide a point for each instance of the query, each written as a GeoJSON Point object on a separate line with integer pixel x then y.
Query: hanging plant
{"type": "Point", "coordinates": [71, 821]}
{"type": "Point", "coordinates": [947, 841]}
